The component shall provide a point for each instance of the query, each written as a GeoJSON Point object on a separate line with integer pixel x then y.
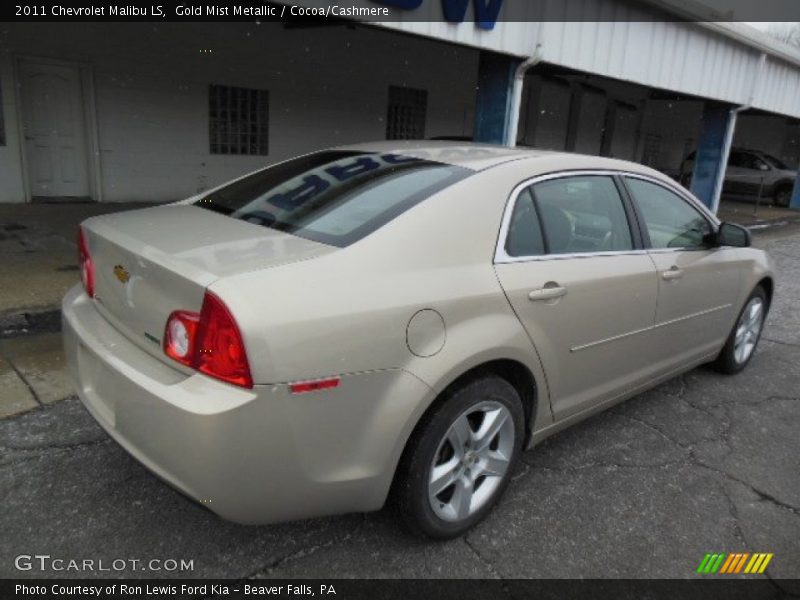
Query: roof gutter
{"type": "Point", "coordinates": [728, 141]}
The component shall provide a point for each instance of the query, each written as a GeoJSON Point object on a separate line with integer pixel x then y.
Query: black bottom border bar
{"type": "Point", "coordinates": [390, 589]}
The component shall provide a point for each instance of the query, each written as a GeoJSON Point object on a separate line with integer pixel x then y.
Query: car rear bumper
{"type": "Point", "coordinates": [252, 456]}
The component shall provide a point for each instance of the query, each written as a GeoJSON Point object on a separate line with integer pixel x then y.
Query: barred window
{"type": "Point", "coordinates": [651, 154]}
{"type": "Point", "coordinates": [405, 118]}
{"type": "Point", "coordinates": [238, 120]}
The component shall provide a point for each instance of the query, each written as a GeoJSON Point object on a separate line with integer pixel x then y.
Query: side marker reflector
{"type": "Point", "coordinates": [304, 387]}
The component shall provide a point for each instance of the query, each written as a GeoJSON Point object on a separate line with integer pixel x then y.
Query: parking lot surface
{"type": "Point", "coordinates": [703, 463]}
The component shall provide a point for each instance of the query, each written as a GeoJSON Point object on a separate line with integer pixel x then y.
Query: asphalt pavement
{"type": "Point", "coordinates": [704, 463]}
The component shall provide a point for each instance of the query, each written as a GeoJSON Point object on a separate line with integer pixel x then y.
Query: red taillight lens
{"type": "Point", "coordinates": [209, 342]}
{"type": "Point", "coordinates": [180, 336]}
{"type": "Point", "coordinates": [220, 349]}
{"type": "Point", "coordinates": [85, 263]}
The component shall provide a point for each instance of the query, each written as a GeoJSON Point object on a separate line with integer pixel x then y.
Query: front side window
{"type": "Point", "coordinates": [333, 197]}
{"type": "Point", "coordinates": [670, 220]}
{"type": "Point", "coordinates": [736, 159]}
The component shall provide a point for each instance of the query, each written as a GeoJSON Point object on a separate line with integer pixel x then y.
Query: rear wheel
{"type": "Point", "coordinates": [460, 458]}
{"type": "Point", "coordinates": [783, 195]}
{"type": "Point", "coordinates": [743, 339]}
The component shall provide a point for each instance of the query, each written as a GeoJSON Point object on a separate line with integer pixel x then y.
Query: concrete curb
{"type": "Point", "coordinates": [45, 320]}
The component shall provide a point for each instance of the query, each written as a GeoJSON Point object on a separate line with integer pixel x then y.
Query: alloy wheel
{"type": "Point", "coordinates": [471, 461]}
{"type": "Point", "coordinates": [748, 329]}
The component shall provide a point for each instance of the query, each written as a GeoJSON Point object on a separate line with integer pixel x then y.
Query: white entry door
{"type": "Point", "coordinates": [55, 131]}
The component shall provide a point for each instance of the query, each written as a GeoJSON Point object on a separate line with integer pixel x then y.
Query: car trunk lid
{"type": "Point", "coordinates": [153, 261]}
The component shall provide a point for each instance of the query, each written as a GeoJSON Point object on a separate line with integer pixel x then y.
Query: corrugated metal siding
{"type": "Point", "coordinates": [679, 57]}
{"type": "Point", "coordinates": [779, 88]}
{"type": "Point", "coordinates": [615, 39]}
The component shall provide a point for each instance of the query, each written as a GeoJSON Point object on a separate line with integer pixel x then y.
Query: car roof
{"type": "Point", "coordinates": [478, 157]}
{"type": "Point", "coordinates": [464, 154]}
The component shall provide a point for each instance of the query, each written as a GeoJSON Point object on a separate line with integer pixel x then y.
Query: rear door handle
{"type": "Point", "coordinates": [672, 274]}
{"type": "Point", "coordinates": [547, 293]}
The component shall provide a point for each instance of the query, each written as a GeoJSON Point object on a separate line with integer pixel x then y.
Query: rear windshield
{"type": "Point", "coordinates": [333, 197]}
{"type": "Point", "coordinates": [775, 162]}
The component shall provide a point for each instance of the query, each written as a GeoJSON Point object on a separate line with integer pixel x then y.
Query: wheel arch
{"type": "Point", "coordinates": [769, 288]}
{"type": "Point", "coordinates": [512, 370]}
{"type": "Point", "coordinates": [515, 372]}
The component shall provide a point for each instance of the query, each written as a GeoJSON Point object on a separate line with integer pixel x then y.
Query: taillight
{"type": "Point", "coordinates": [180, 335]}
{"type": "Point", "coordinates": [220, 349]}
{"type": "Point", "coordinates": [209, 342]}
{"type": "Point", "coordinates": [85, 263]}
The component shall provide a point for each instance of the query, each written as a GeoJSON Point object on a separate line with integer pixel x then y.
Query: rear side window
{"type": "Point", "coordinates": [524, 229]}
{"type": "Point", "coordinates": [775, 162]}
{"type": "Point", "coordinates": [670, 220]}
{"type": "Point", "coordinates": [583, 214]}
{"type": "Point", "coordinates": [333, 197]}
{"type": "Point", "coordinates": [569, 215]}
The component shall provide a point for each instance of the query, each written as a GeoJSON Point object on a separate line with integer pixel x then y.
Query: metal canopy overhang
{"type": "Point", "coordinates": [627, 41]}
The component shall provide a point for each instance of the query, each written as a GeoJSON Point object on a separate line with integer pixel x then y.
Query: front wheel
{"type": "Point", "coordinates": [743, 339]}
{"type": "Point", "coordinates": [460, 458]}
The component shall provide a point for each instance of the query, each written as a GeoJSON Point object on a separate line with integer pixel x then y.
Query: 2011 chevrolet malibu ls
{"type": "Point", "coordinates": [397, 317]}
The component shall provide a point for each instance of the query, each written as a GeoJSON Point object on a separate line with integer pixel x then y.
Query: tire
{"type": "Point", "coordinates": [457, 508]}
{"type": "Point", "coordinates": [743, 339]}
{"type": "Point", "coordinates": [783, 196]}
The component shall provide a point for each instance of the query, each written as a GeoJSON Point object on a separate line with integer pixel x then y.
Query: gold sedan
{"type": "Point", "coordinates": [397, 317]}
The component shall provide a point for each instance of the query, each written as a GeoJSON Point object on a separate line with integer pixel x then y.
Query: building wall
{"type": "Point", "coordinates": [653, 131]}
{"type": "Point", "coordinates": [629, 41]}
{"type": "Point", "coordinates": [11, 185]}
{"type": "Point", "coordinates": [327, 86]}
{"type": "Point", "coordinates": [591, 121]}
{"type": "Point", "coordinates": [670, 131]}
{"type": "Point", "coordinates": [771, 134]}
{"type": "Point", "coordinates": [547, 107]}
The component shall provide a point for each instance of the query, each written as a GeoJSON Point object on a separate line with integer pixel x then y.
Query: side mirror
{"type": "Point", "coordinates": [763, 167]}
{"type": "Point", "coordinates": [730, 234]}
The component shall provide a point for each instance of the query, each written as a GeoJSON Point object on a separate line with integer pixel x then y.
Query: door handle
{"type": "Point", "coordinates": [548, 292]}
{"type": "Point", "coordinates": [672, 274]}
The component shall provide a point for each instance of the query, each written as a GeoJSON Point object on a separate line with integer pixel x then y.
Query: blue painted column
{"type": "Point", "coordinates": [493, 100]}
{"type": "Point", "coordinates": [794, 201]}
{"type": "Point", "coordinates": [712, 154]}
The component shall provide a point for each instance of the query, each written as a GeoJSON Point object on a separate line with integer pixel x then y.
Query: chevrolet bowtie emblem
{"type": "Point", "coordinates": [121, 273]}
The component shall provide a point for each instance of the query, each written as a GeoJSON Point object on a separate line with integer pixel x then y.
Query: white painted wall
{"type": "Point", "coordinates": [327, 86]}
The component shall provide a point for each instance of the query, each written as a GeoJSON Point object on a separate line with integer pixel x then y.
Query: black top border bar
{"type": "Point", "coordinates": [484, 14]}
